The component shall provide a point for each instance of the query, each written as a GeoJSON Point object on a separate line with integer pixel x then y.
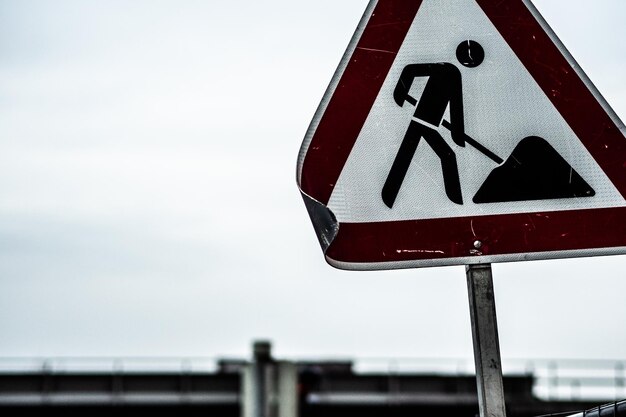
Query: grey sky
{"type": "Point", "coordinates": [148, 202]}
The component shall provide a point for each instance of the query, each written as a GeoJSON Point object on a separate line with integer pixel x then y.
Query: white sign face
{"type": "Point", "coordinates": [481, 117]}
{"type": "Point", "coordinates": [502, 104]}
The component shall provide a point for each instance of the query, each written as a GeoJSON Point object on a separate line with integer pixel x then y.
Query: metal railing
{"type": "Point", "coordinates": [107, 365]}
{"type": "Point", "coordinates": [554, 379]}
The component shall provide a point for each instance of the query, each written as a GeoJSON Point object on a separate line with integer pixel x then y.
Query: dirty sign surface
{"type": "Point", "coordinates": [462, 132]}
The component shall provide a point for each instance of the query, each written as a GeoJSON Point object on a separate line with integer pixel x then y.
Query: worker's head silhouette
{"type": "Point", "coordinates": [470, 53]}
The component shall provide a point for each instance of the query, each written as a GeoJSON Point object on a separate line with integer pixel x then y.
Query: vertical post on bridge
{"type": "Point", "coordinates": [486, 344]}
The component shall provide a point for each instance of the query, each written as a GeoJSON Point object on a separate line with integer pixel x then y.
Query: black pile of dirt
{"type": "Point", "coordinates": [534, 171]}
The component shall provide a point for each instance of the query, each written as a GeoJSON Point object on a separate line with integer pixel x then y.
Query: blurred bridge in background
{"type": "Point", "coordinates": [297, 387]}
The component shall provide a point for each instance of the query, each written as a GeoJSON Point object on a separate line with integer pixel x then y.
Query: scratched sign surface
{"type": "Point", "coordinates": [462, 132]}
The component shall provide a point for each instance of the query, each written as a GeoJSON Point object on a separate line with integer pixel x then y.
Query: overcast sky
{"type": "Point", "coordinates": [148, 203]}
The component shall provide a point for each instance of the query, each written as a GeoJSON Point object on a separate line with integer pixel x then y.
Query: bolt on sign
{"type": "Point", "coordinates": [462, 132]}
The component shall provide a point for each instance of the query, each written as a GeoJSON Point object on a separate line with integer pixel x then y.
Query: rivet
{"type": "Point", "coordinates": [478, 244]}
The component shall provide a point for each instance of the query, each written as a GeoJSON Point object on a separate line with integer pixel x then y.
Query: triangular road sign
{"type": "Point", "coordinates": [462, 132]}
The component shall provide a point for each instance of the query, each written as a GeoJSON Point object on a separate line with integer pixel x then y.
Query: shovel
{"type": "Point", "coordinates": [475, 144]}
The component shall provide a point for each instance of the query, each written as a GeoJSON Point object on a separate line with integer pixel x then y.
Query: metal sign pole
{"type": "Point", "coordinates": [486, 344]}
